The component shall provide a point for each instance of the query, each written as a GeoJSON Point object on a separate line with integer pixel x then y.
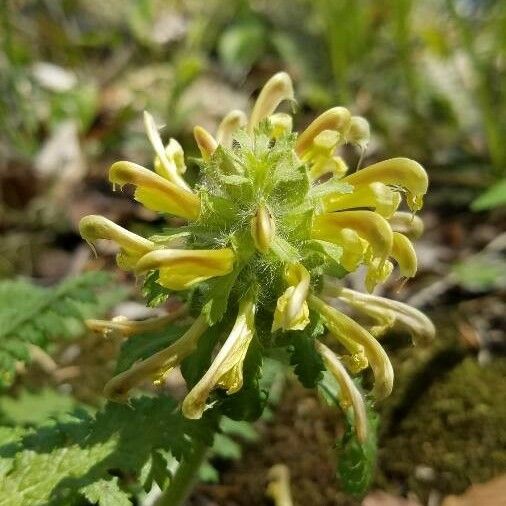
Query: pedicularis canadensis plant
{"type": "Point", "coordinates": [273, 223]}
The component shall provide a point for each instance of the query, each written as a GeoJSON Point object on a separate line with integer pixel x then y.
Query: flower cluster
{"type": "Point", "coordinates": [272, 222]}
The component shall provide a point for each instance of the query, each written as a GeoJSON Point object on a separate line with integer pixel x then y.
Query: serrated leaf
{"type": "Point", "coordinates": [154, 293]}
{"type": "Point", "coordinates": [327, 249]}
{"type": "Point", "coordinates": [329, 187]}
{"type": "Point", "coordinates": [308, 365]}
{"type": "Point", "coordinates": [57, 462]}
{"type": "Point", "coordinates": [284, 250]}
{"type": "Point", "coordinates": [106, 493]}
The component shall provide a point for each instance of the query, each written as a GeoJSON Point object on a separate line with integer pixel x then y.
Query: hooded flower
{"type": "Point", "coordinates": [226, 370]}
{"type": "Point", "coordinates": [270, 219]}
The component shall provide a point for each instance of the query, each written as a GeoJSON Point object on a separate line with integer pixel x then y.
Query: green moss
{"type": "Point", "coordinates": [457, 428]}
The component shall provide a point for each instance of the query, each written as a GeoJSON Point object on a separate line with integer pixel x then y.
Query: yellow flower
{"type": "Point", "coordinates": [132, 246]}
{"type": "Point", "coordinates": [389, 313]}
{"type": "Point", "coordinates": [351, 396]}
{"type": "Point", "coordinates": [277, 89]}
{"type": "Point", "coordinates": [292, 312]}
{"type": "Point", "coordinates": [154, 191]}
{"type": "Point", "coordinates": [398, 172]}
{"type": "Point", "coordinates": [226, 369]}
{"type": "Point", "coordinates": [341, 325]}
{"type": "Point", "coordinates": [175, 155]}
{"type": "Point", "coordinates": [205, 141]}
{"type": "Point", "coordinates": [404, 254]}
{"type": "Point", "coordinates": [181, 269]}
{"type": "Point", "coordinates": [125, 327]}
{"type": "Point", "coordinates": [336, 119]}
{"type": "Point", "coordinates": [157, 365]}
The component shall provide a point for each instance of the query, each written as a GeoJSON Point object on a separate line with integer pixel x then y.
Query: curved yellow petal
{"type": "Point", "coordinates": [292, 312]}
{"type": "Point", "coordinates": [404, 254]}
{"type": "Point", "coordinates": [277, 89]}
{"type": "Point", "coordinates": [337, 119]}
{"type": "Point", "coordinates": [351, 396]}
{"type": "Point", "coordinates": [170, 169]}
{"type": "Point", "coordinates": [159, 364]}
{"type": "Point", "coordinates": [181, 269]}
{"type": "Point", "coordinates": [383, 199]}
{"type": "Point", "coordinates": [263, 229]}
{"type": "Point", "coordinates": [226, 369]}
{"type": "Point", "coordinates": [126, 327]}
{"type": "Point", "coordinates": [205, 141]}
{"type": "Point", "coordinates": [408, 224]}
{"type": "Point", "coordinates": [340, 324]}
{"type": "Point", "coordinates": [401, 172]}
{"type": "Point", "coordinates": [369, 225]}
{"type": "Point", "coordinates": [132, 246]}
{"type": "Point", "coordinates": [391, 312]}
{"type": "Point", "coordinates": [232, 122]}
{"type": "Point", "coordinates": [155, 192]}
{"type": "Point", "coordinates": [175, 155]}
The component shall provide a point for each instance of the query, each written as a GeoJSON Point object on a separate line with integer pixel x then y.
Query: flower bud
{"type": "Point", "coordinates": [263, 229]}
{"type": "Point", "coordinates": [404, 254]}
{"type": "Point", "coordinates": [231, 122]}
{"type": "Point", "coordinates": [359, 132]}
{"type": "Point", "coordinates": [205, 141]}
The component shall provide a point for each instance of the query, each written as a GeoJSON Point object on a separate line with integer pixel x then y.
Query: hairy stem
{"type": "Point", "coordinates": [184, 479]}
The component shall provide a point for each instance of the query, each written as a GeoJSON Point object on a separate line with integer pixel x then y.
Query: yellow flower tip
{"type": "Point", "coordinates": [378, 196]}
{"type": "Point", "coordinates": [292, 311]}
{"type": "Point", "coordinates": [181, 269]}
{"type": "Point", "coordinates": [94, 227]}
{"type": "Point", "coordinates": [277, 89]}
{"type": "Point", "coordinates": [281, 123]}
{"type": "Point", "coordinates": [226, 369]}
{"type": "Point", "coordinates": [336, 119]}
{"type": "Point", "coordinates": [278, 488]}
{"type": "Point", "coordinates": [404, 254]}
{"type": "Point", "coordinates": [391, 313]}
{"type": "Point", "coordinates": [154, 191]}
{"type": "Point", "coordinates": [263, 229]}
{"type": "Point", "coordinates": [408, 224]}
{"type": "Point", "coordinates": [205, 141]}
{"type": "Point", "coordinates": [175, 154]}
{"type": "Point", "coordinates": [356, 362]}
{"type": "Point", "coordinates": [351, 396]}
{"type": "Point", "coordinates": [344, 329]}
{"type": "Point", "coordinates": [232, 122]}
{"type": "Point", "coordinates": [401, 172]}
{"type": "Point", "coordinates": [369, 226]}
{"type": "Point", "coordinates": [359, 132]}
{"type": "Point", "coordinates": [169, 167]}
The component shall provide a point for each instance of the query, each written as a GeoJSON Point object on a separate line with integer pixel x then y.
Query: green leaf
{"type": "Point", "coordinates": [194, 366]}
{"type": "Point", "coordinates": [308, 365]}
{"type": "Point", "coordinates": [31, 314]}
{"type": "Point", "coordinates": [154, 293]}
{"type": "Point", "coordinates": [216, 299]}
{"type": "Point", "coordinates": [226, 448]}
{"type": "Point", "coordinates": [106, 493]}
{"type": "Point", "coordinates": [327, 249]}
{"type": "Point", "coordinates": [59, 461]}
{"type": "Point", "coordinates": [284, 250]}
{"type": "Point", "coordinates": [493, 198]}
{"type": "Point", "coordinates": [30, 408]}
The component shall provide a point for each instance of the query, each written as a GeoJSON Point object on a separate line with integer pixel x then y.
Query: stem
{"type": "Point", "coordinates": [185, 478]}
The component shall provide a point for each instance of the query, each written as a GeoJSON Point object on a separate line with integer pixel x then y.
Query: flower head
{"type": "Point", "coordinates": [272, 215]}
